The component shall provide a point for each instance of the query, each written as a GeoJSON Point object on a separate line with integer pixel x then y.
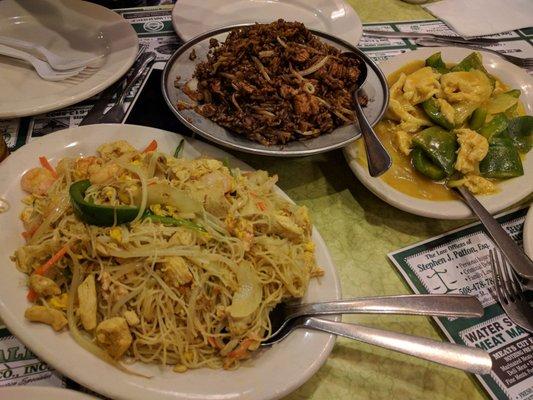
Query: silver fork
{"type": "Point", "coordinates": [519, 61]}
{"type": "Point", "coordinates": [509, 292]}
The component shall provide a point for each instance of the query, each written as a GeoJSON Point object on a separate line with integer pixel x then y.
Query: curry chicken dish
{"type": "Point", "coordinates": [450, 125]}
{"type": "Point", "coordinates": [274, 83]}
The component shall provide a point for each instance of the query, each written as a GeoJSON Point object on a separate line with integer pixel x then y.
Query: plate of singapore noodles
{"type": "Point", "coordinates": [144, 265]}
{"type": "Point", "coordinates": [455, 117]}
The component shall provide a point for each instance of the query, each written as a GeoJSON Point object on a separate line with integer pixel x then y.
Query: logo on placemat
{"type": "Point", "coordinates": [153, 26]}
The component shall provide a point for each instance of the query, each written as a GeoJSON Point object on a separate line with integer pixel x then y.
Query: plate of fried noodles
{"type": "Point", "coordinates": [275, 89]}
{"type": "Point", "coordinates": [144, 265]}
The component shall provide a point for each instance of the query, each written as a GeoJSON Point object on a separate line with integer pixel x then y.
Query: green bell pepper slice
{"type": "Point", "coordinates": [435, 61]}
{"type": "Point", "coordinates": [477, 119]}
{"type": "Point", "coordinates": [496, 126]}
{"type": "Point", "coordinates": [100, 215]}
{"type": "Point", "coordinates": [520, 130]}
{"type": "Point", "coordinates": [432, 109]}
{"type": "Point", "coordinates": [502, 160]}
{"type": "Point", "coordinates": [474, 61]}
{"type": "Point", "coordinates": [96, 214]}
{"type": "Point", "coordinates": [471, 61]}
{"type": "Point", "coordinates": [171, 221]}
{"type": "Point", "coordinates": [438, 145]}
{"type": "Point", "coordinates": [425, 166]}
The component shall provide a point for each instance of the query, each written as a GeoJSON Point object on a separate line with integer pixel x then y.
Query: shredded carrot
{"type": "Point", "coordinates": [43, 269]}
{"type": "Point", "coordinates": [45, 164]}
{"type": "Point", "coordinates": [261, 206]}
{"type": "Point", "coordinates": [32, 295]}
{"type": "Point", "coordinates": [29, 233]}
{"type": "Point", "coordinates": [240, 351]}
{"type": "Point", "coordinates": [214, 343]}
{"type": "Point", "coordinates": [151, 147]}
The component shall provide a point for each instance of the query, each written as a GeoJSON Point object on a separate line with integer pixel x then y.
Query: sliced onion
{"type": "Point", "coordinates": [161, 193]}
{"type": "Point", "coordinates": [315, 67]}
{"type": "Point", "coordinates": [266, 53]}
{"type": "Point", "coordinates": [309, 87]}
{"type": "Point", "coordinates": [234, 101]}
{"type": "Point", "coordinates": [261, 68]}
{"type": "Point", "coordinates": [248, 297]}
{"type": "Point", "coordinates": [281, 42]}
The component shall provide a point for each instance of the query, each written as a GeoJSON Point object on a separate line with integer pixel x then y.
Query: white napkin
{"type": "Point", "coordinates": [483, 17]}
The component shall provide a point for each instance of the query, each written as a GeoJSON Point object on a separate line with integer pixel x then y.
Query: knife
{"type": "Point", "coordinates": [117, 112]}
{"type": "Point", "coordinates": [422, 35]}
{"type": "Point", "coordinates": [97, 111]}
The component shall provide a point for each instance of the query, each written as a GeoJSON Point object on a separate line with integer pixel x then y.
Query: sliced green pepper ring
{"type": "Point", "coordinates": [96, 214]}
{"type": "Point", "coordinates": [425, 166]}
{"type": "Point", "coordinates": [439, 146]}
{"type": "Point", "coordinates": [432, 109]}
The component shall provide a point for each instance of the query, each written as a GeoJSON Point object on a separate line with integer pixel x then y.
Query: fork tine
{"type": "Point", "coordinates": [497, 278]}
{"type": "Point", "coordinates": [507, 285]}
{"type": "Point", "coordinates": [513, 280]}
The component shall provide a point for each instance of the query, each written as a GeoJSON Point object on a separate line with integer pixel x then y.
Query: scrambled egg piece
{"type": "Point", "coordinates": [87, 303]}
{"type": "Point", "coordinates": [131, 318]}
{"type": "Point", "coordinates": [116, 234]}
{"type": "Point", "coordinates": [477, 184]}
{"type": "Point", "coordinates": [115, 149]}
{"type": "Point", "coordinates": [176, 271]}
{"type": "Point", "coordinates": [473, 148]}
{"type": "Point", "coordinates": [59, 302]}
{"type": "Point", "coordinates": [421, 85]}
{"type": "Point", "coordinates": [55, 318]}
{"type": "Point", "coordinates": [401, 110]}
{"type": "Point", "coordinates": [183, 236]}
{"type": "Point", "coordinates": [472, 86]}
{"type": "Point", "coordinates": [403, 141]}
{"type": "Point", "coordinates": [43, 286]}
{"type": "Point", "coordinates": [114, 336]}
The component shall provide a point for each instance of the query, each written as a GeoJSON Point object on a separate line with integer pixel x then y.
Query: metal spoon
{"type": "Point", "coordinates": [458, 306]}
{"type": "Point", "coordinates": [452, 355]}
{"type": "Point", "coordinates": [379, 161]}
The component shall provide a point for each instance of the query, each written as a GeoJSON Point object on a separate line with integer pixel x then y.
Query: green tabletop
{"type": "Point", "coordinates": [360, 230]}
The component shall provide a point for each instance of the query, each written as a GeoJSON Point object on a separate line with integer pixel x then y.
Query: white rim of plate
{"type": "Point", "coordinates": [108, 77]}
{"type": "Point", "coordinates": [135, 388]}
{"type": "Point", "coordinates": [527, 233]}
{"type": "Point", "coordinates": [352, 35]}
{"type": "Point", "coordinates": [511, 191]}
{"type": "Point", "coordinates": [42, 393]}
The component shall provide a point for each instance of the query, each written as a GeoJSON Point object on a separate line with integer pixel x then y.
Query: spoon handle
{"type": "Point", "coordinates": [449, 305]}
{"type": "Point", "coordinates": [378, 159]}
{"type": "Point", "coordinates": [520, 263]}
{"type": "Point", "coordinates": [452, 355]}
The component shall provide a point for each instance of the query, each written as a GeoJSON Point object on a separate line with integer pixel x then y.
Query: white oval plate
{"type": "Point", "coordinates": [527, 233]}
{"type": "Point", "coordinates": [511, 190]}
{"type": "Point", "coordinates": [41, 393]}
{"type": "Point", "coordinates": [273, 373]}
{"type": "Point", "coordinates": [68, 29]}
{"type": "Point", "coordinates": [191, 18]}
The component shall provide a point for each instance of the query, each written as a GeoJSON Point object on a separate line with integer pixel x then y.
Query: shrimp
{"type": "Point", "coordinates": [37, 181]}
{"type": "Point", "coordinates": [104, 173]}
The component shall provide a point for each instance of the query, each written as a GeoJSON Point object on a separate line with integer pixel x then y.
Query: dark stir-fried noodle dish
{"type": "Point", "coordinates": [275, 83]}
